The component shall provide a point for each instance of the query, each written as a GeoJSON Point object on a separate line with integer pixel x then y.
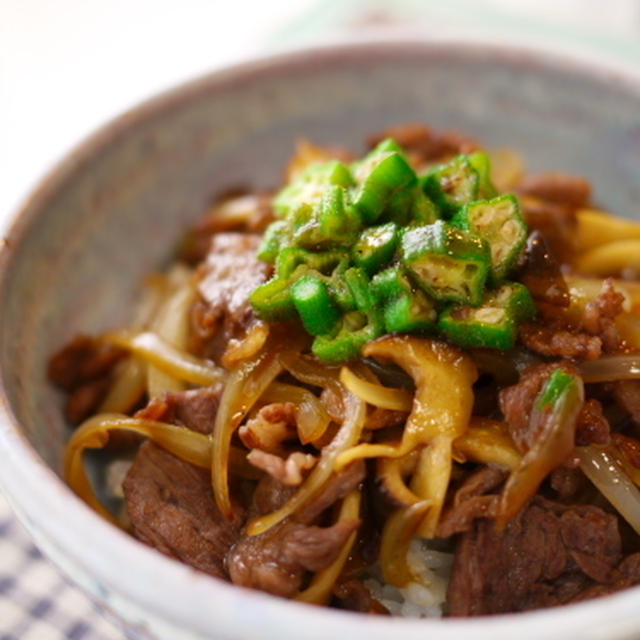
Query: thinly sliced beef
{"type": "Point", "coordinates": [171, 508]}
{"type": "Point", "coordinates": [517, 403]}
{"type": "Point", "coordinates": [235, 210]}
{"type": "Point", "coordinates": [229, 274]}
{"type": "Point", "coordinates": [627, 395]}
{"type": "Point", "coordinates": [598, 318]}
{"type": "Point", "coordinates": [548, 555]}
{"type": "Point", "coordinates": [84, 369]}
{"type": "Point", "coordinates": [354, 596]}
{"type": "Point", "coordinates": [542, 275]}
{"type": "Point", "coordinates": [277, 561]}
{"type": "Point", "coordinates": [471, 501]}
{"type": "Point", "coordinates": [559, 188]}
{"type": "Point", "coordinates": [195, 409]}
{"type": "Point", "coordinates": [426, 146]}
{"type": "Point", "coordinates": [549, 341]}
{"type": "Point", "coordinates": [82, 360]}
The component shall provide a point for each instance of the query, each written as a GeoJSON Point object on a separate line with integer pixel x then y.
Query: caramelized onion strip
{"type": "Point", "coordinates": [610, 258]}
{"type": "Point", "coordinates": [321, 587]}
{"type": "Point", "coordinates": [171, 324]}
{"type": "Point", "coordinates": [596, 228]}
{"type": "Point", "coordinates": [348, 434]}
{"type": "Point", "coordinates": [607, 475]}
{"type": "Point", "coordinates": [312, 418]}
{"type": "Point", "coordinates": [620, 367]}
{"type": "Point", "coordinates": [376, 394]}
{"type": "Point", "coordinates": [399, 530]}
{"type": "Point", "coordinates": [243, 388]}
{"type": "Point", "coordinates": [167, 358]}
{"type": "Point", "coordinates": [94, 433]}
{"type": "Point", "coordinates": [127, 389]}
{"type": "Point", "coordinates": [487, 442]}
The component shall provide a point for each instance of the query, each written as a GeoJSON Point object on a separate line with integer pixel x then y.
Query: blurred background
{"type": "Point", "coordinates": [67, 66]}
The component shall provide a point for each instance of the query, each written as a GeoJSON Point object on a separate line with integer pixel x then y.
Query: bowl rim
{"type": "Point", "coordinates": [42, 493]}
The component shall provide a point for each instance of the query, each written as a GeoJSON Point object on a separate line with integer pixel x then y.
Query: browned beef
{"type": "Point", "coordinates": [549, 554]}
{"type": "Point", "coordinates": [354, 596]}
{"type": "Point", "coordinates": [85, 399]}
{"type": "Point", "coordinates": [556, 222]}
{"type": "Point", "coordinates": [592, 427]}
{"type": "Point", "coordinates": [627, 395]}
{"type": "Point", "coordinates": [567, 482]}
{"type": "Point", "coordinates": [426, 146]}
{"type": "Point", "coordinates": [84, 368]}
{"type": "Point", "coordinates": [549, 341]}
{"type": "Point", "coordinates": [541, 274]}
{"type": "Point", "coordinates": [556, 187]}
{"type": "Point", "coordinates": [471, 501]}
{"type": "Point", "coordinates": [229, 274]}
{"type": "Point", "coordinates": [598, 318]}
{"type": "Point", "coordinates": [277, 561]}
{"type": "Point", "coordinates": [171, 508]}
{"type": "Point", "coordinates": [629, 447]}
{"type": "Point", "coordinates": [84, 359]}
{"type": "Point", "coordinates": [517, 403]}
{"type": "Point", "coordinates": [195, 244]}
{"type": "Point", "coordinates": [195, 409]}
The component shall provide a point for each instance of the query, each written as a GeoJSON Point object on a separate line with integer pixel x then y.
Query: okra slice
{"type": "Point", "coordinates": [380, 176]}
{"type": "Point", "coordinates": [404, 308]}
{"type": "Point", "coordinates": [315, 305]}
{"type": "Point", "coordinates": [324, 262]}
{"type": "Point", "coordinates": [347, 341]}
{"type": "Point", "coordinates": [410, 206]}
{"type": "Point", "coordinates": [356, 327]}
{"type": "Point", "coordinates": [481, 162]}
{"type": "Point", "coordinates": [275, 237]}
{"type": "Point", "coordinates": [364, 297]}
{"type": "Point", "coordinates": [452, 185]}
{"type": "Point", "coordinates": [376, 247]}
{"type": "Point", "coordinates": [272, 300]}
{"type": "Point", "coordinates": [309, 187]}
{"type": "Point", "coordinates": [448, 263]}
{"type": "Point", "coordinates": [494, 324]}
{"type": "Point", "coordinates": [485, 326]}
{"type": "Point", "coordinates": [500, 223]}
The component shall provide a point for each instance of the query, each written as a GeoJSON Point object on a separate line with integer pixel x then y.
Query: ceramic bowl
{"type": "Point", "coordinates": [113, 209]}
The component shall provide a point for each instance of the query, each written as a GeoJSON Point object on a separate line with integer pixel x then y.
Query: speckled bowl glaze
{"type": "Point", "coordinates": [112, 210]}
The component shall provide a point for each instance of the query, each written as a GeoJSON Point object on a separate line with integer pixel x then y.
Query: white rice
{"type": "Point", "coordinates": [423, 598]}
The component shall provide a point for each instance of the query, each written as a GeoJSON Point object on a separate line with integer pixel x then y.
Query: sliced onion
{"type": "Point", "coordinates": [313, 372]}
{"type": "Point", "coordinates": [596, 228]}
{"type": "Point", "coordinates": [391, 473]}
{"type": "Point", "coordinates": [487, 442]}
{"type": "Point", "coordinates": [347, 436]}
{"type": "Point", "coordinates": [127, 389]}
{"type": "Point", "coordinates": [160, 354]}
{"type": "Point", "coordinates": [621, 367]}
{"type": "Point", "coordinates": [94, 433]}
{"type": "Point", "coordinates": [610, 258]}
{"type": "Point", "coordinates": [171, 324]}
{"type": "Point", "coordinates": [243, 388]}
{"type": "Point", "coordinates": [607, 475]}
{"type": "Point", "coordinates": [312, 418]}
{"type": "Point", "coordinates": [376, 394]}
{"type": "Point", "coordinates": [399, 530]}
{"type": "Point", "coordinates": [321, 587]}
{"type": "Point", "coordinates": [507, 168]}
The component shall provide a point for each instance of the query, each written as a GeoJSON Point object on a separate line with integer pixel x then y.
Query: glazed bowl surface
{"type": "Point", "coordinates": [112, 210]}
